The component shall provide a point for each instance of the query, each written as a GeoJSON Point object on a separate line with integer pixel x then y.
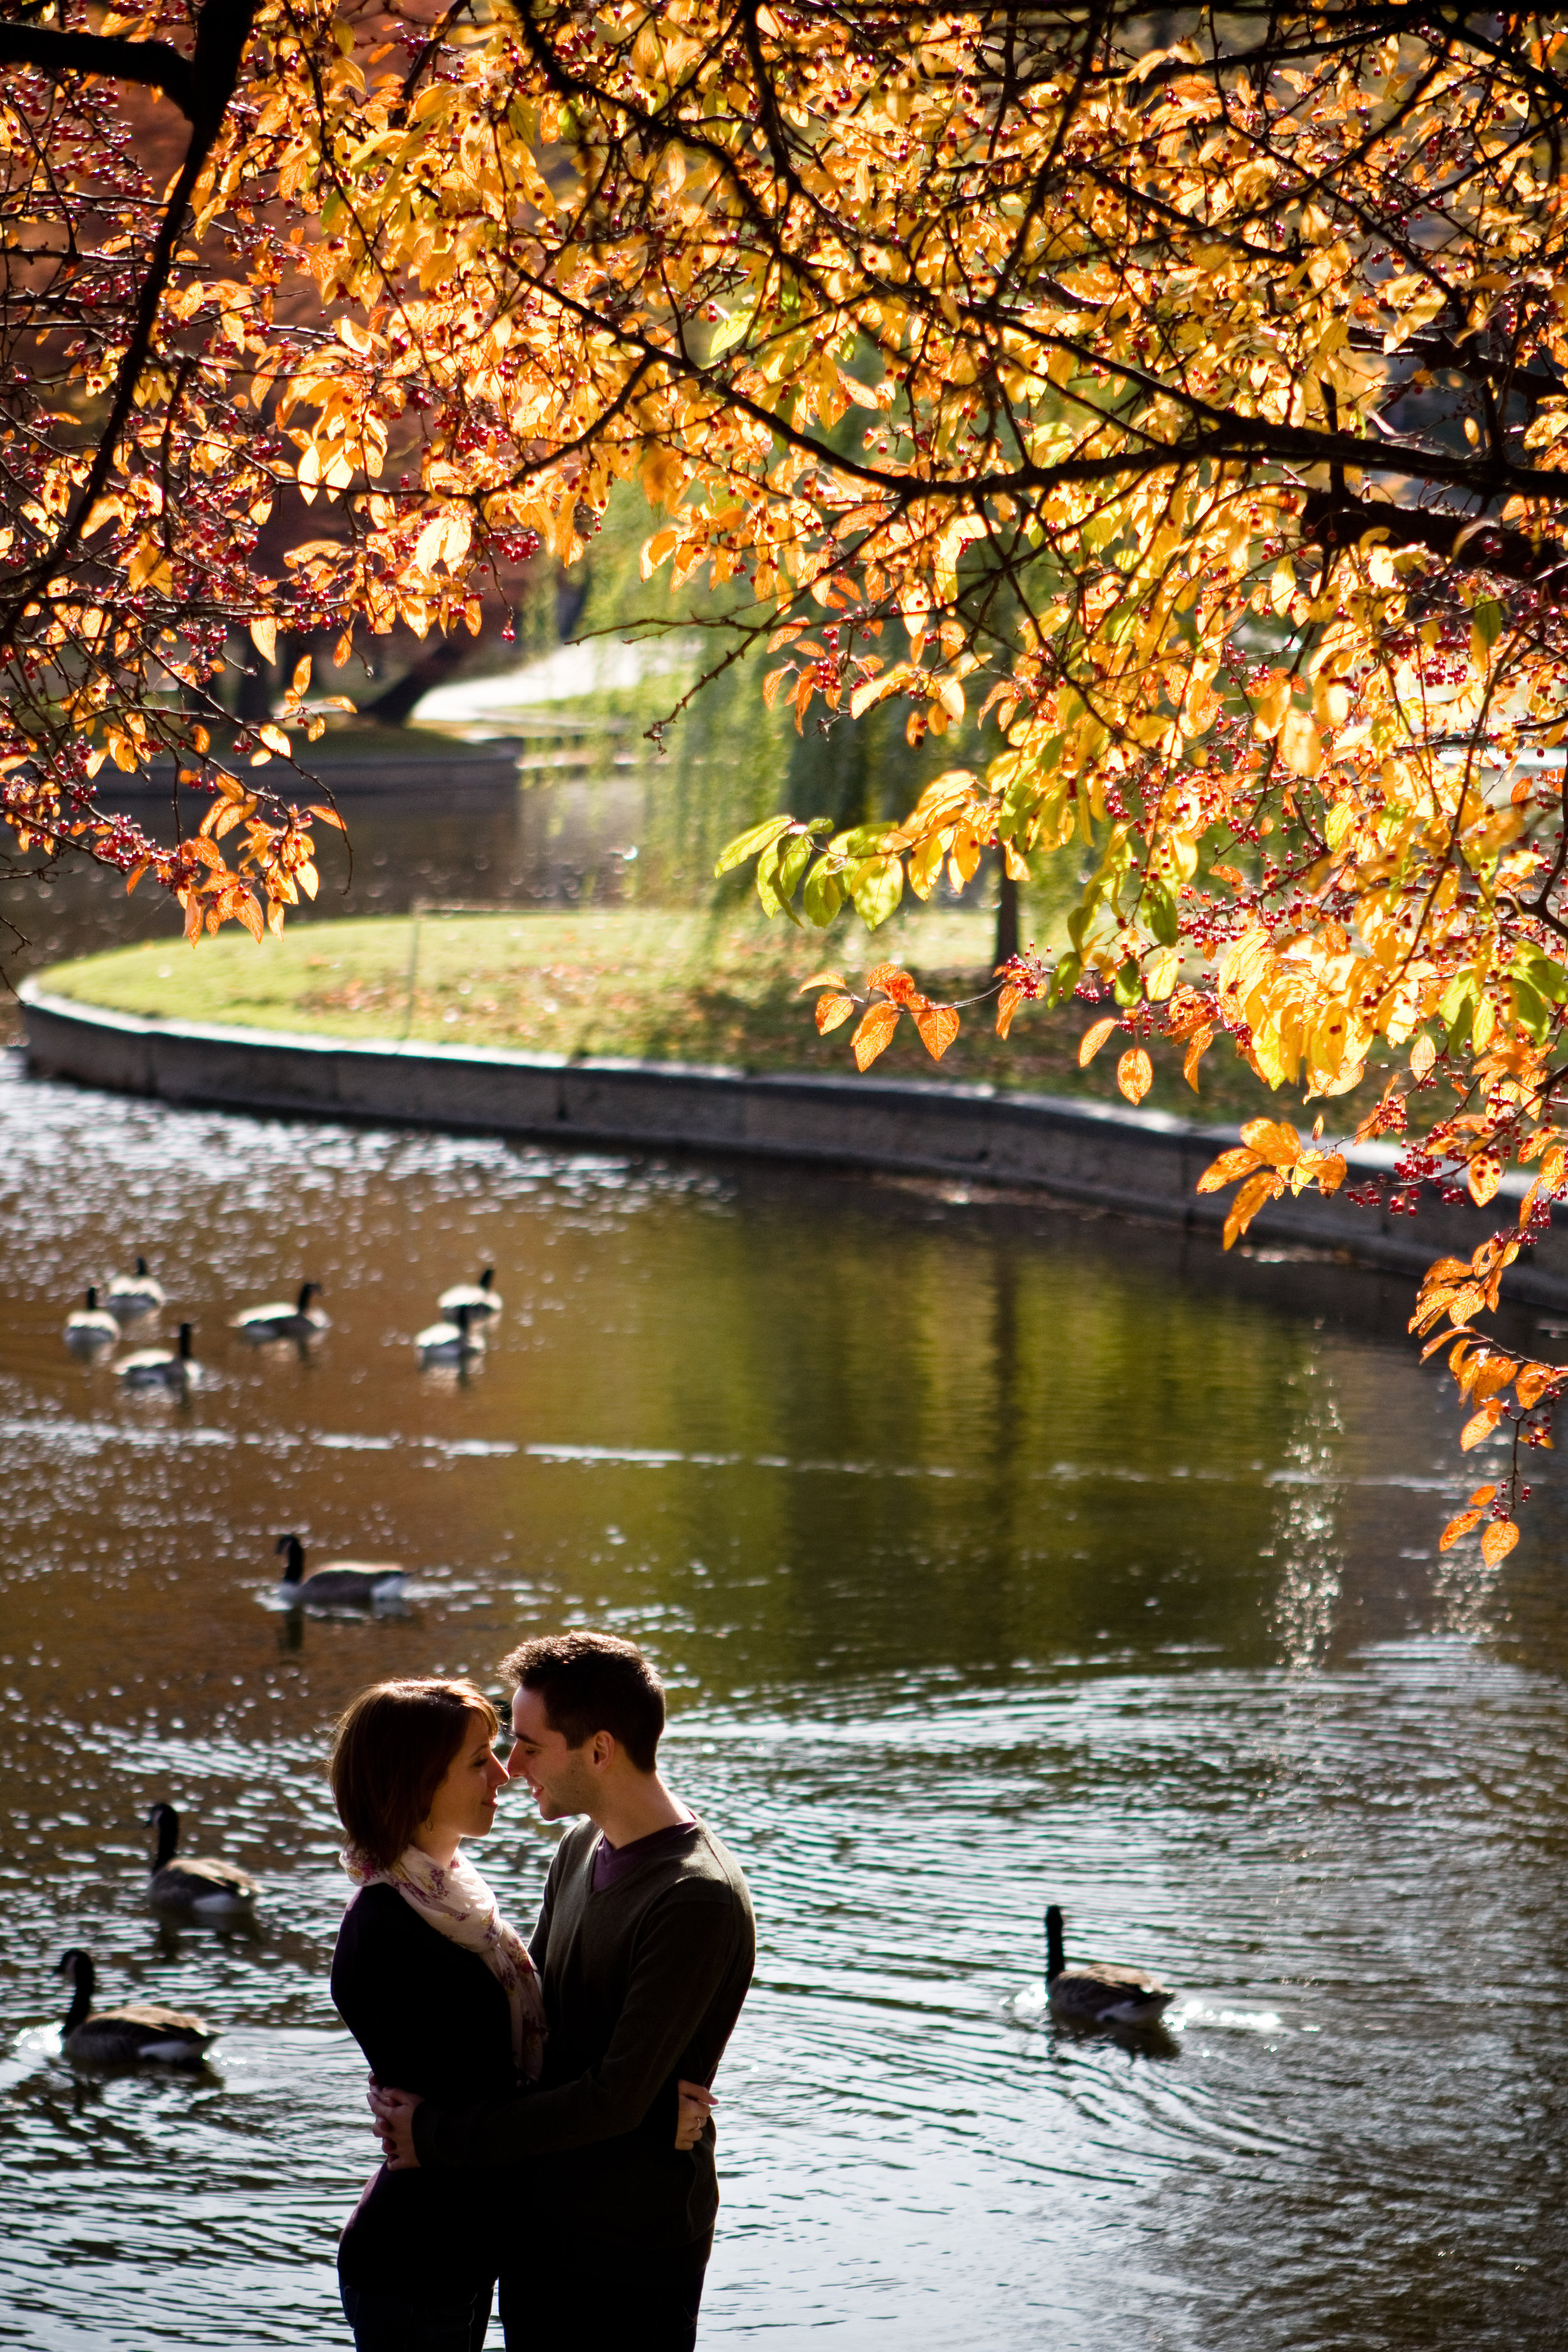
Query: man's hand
{"type": "Point", "coordinates": [394, 2113]}
{"type": "Point", "coordinates": [695, 2110]}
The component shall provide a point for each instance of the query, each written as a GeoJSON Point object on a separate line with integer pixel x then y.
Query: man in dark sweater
{"type": "Point", "coordinates": [646, 1944]}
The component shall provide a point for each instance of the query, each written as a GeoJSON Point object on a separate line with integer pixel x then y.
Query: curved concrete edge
{"type": "Point", "coordinates": [1141, 1164]}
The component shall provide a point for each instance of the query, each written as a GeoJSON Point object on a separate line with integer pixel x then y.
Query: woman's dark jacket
{"type": "Point", "coordinates": [430, 2017]}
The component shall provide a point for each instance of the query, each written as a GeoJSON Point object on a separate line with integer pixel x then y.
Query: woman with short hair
{"type": "Point", "coordinates": [439, 1992]}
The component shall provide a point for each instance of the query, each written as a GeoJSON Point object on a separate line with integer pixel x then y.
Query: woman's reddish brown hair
{"type": "Point", "coordinates": [390, 1752]}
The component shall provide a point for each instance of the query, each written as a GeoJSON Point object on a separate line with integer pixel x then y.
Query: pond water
{"type": "Point", "coordinates": [992, 1557]}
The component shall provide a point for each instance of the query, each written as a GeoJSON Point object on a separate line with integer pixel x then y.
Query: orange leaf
{"type": "Point", "coordinates": [773, 681]}
{"type": "Point", "coordinates": [1273, 1139]}
{"type": "Point", "coordinates": [892, 982]}
{"type": "Point", "coordinates": [875, 1033]}
{"type": "Point", "coordinates": [938, 1025]}
{"type": "Point", "coordinates": [1482, 1495]}
{"type": "Point", "coordinates": [1007, 1003]}
{"type": "Point", "coordinates": [1533, 1382]}
{"type": "Point", "coordinates": [250, 914]}
{"type": "Point", "coordinates": [1480, 1425]}
{"type": "Point", "coordinates": [1202, 1040]}
{"type": "Point", "coordinates": [836, 980]}
{"type": "Point", "coordinates": [1254, 1194]}
{"type": "Point", "coordinates": [1483, 1176]}
{"type": "Point", "coordinates": [1498, 1541]}
{"type": "Point", "coordinates": [1458, 1528]}
{"type": "Point", "coordinates": [1225, 1169]}
{"type": "Point", "coordinates": [326, 815]}
{"type": "Point", "coordinates": [1090, 1043]}
{"type": "Point", "coordinates": [1135, 1074]}
{"type": "Point", "coordinates": [830, 1011]}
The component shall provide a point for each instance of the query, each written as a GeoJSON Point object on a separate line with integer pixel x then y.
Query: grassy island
{"type": "Point", "coordinates": [649, 985]}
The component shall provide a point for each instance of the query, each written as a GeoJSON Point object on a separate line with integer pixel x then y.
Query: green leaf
{"type": "Point", "coordinates": [767, 881]}
{"type": "Point", "coordinates": [1486, 621]}
{"type": "Point", "coordinates": [1529, 1008]}
{"type": "Point", "coordinates": [1128, 985]}
{"type": "Point", "coordinates": [876, 886]}
{"type": "Point", "coordinates": [860, 841]}
{"type": "Point", "coordinates": [1160, 911]}
{"type": "Point", "coordinates": [823, 895]}
{"type": "Point", "coordinates": [731, 331]}
{"type": "Point", "coordinates": [746, 845]}
{"type": "Point", "coordinates": [1456, 1007]}
{"type": "Point", "coordinates": [793, 863]}
{"type": "Point", "coordinates": [1069, 971]}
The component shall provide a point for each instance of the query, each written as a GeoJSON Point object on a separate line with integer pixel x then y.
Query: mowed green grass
{"type": "Point", "coordinates": [649, 985]}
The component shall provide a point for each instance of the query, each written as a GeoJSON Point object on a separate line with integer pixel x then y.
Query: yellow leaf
{"type": "Point", "coordinates": [830, 1011]}
{"type": "Point", "coordinates": [1533, 1382]}
{"type": "Point", "coordinates": [1202, 1040]}
{"type": "Point", "coordinates": [276, 739]}
{"type": "Point", "coordinates": [1007, 1003]}
{"type": "Point", "coordinates": [264, 637]}
{"type": "Point", "coordinates": [1301, 745]}
{"type": "Point", "coordinates": [1090, 1043]}
{"type": "Point", "coordinates": [1423, 1053]}
{"type": "Point", "coordinates": [1135, 1074]}
{"type": "Point", "coordinates": [1254, 1194]}
{"type": "Point", "coordinates": [1273, 1139]}
{"type": "Point", "coordinates": [938, 1025]}
{"type": "Point", "coordinates": [875, 1033]}
{"type": "Point", "coordinates": [1498, 1541]}
{"type": "Point", "coordinates": [821, 980]}
{"type": "Point", "coordinates": [1483, 1176]}
{"type": "Point", "coordinates": [1226, 1169]}
{"type": "Point", "coordinates": [1480, 1425]}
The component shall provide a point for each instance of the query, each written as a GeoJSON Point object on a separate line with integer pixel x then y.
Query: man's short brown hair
{"type": "Point", "coordinates": [591, 1682]}
{"type": "Point", "coordinates": [391, 1751]}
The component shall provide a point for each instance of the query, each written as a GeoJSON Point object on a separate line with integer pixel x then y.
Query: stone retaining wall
{"type": "Point", "coordinates": [1141, 1164]}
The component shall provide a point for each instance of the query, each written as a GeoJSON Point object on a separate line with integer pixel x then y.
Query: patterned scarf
{"type": "Point", "coordinates": [459, 1903]}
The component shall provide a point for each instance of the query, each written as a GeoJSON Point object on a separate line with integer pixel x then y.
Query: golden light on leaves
{"type": "Point", "coordinates": [938, 1025]}
{"type": "Point", "coordinates": [1007, 1002]}
{"type": "Point", "coordinates": [1090, 1043]}
{"type": "Point", "coordinates": [1135, 1074]}
{"type": "Point", "coordinates": [1483, 1177]}
{"type": "Point", "coordinates": [1498, 1541]}
{"type": "Point", "coordinates": [875, 1033]}
{"type": "Point", "coordinates": [831, 1010]}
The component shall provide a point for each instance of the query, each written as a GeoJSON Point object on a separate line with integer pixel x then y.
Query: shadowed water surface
{"type": "Point", "coordinates": [991, 1555]}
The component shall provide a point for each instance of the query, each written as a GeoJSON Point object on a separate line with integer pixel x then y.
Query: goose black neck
{"type": "Point", "coordinates": [1055, 1958]}
{"type": "Point", "coordinates": [185, 1331]}
{"type": "Point", "coordinates": [488, 1277]}
{"type": "Point", "coordinates": [295, 1569]}
{"type": "Point", "coordinates": [92, 1298]}
{"type": "Point", "coordinates": [82, 2000]}
{"type": "Point", "coordinates": [306, 1292]}
{"type": "Point", "coordinates": [168, 1826]}
{"type": "Point", "coordinates": [142, 1268]}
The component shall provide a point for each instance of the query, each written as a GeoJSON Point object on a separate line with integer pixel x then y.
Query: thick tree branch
{"type": "Point", "coordinates": [154, 63]}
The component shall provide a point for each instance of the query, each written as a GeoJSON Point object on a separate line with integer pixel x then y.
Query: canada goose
{"type": "Point", "coordinates": [130, 1295]}
{"type": "Point", "coordinates": [279, 1320]}
{"type": "Point", "coordinates": [451, 1342]}
{"type": "Point", "coordinates": [89, 1328]}
{"type": "Point", "coordinates": [1096, 1992]}
{"type": "Point", "coordinates": [126, 2037]}
{"type": "Point", "coordinates": [354, 1583]}
{"type": "Point", "coordinates": [155, 1368]}
{"type": "Point", "coordinates": [201, 1884]}
{"type": "Point", "coordinates": [479, 1298]}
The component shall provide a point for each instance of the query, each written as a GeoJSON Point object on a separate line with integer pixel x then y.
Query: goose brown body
{"type": "Point", "coordinates": [340, 1583]}
{"type": "Point", "coordinates": [1099, 1992]}
{"type": "Point", "coordinates": [141, 2034]}
{"type": "Point", "coordinates": [200, 1884]}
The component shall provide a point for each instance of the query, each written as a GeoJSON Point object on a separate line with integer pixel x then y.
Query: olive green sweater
{"type": "Point", "coordinates": [643, 1983]}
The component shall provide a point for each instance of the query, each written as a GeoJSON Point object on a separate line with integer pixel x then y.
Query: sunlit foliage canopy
{"type": "Point", "coordinates": [1171, 406]}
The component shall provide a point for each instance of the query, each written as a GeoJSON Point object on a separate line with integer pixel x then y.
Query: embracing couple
{"type": "Point", "coordinates": [544, 2108]}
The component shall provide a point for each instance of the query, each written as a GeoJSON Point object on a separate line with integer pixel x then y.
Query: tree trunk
{"type": "Point", "coordinates": [1006, 917]}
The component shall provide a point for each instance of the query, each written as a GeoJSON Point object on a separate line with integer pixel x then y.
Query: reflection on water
{"type": "Point", "coordinates": [993, 1557]}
